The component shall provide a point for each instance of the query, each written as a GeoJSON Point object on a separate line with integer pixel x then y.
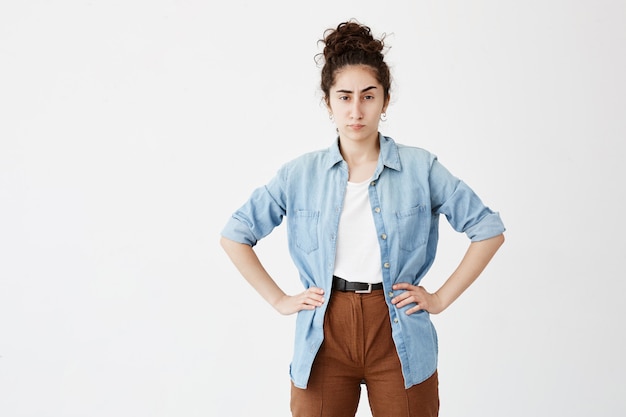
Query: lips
{"type": "Point", "coordinates": [356, 126]}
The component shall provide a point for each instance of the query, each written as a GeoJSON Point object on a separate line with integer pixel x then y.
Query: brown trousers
{"type": "Point", "coordinates": [358, 348]}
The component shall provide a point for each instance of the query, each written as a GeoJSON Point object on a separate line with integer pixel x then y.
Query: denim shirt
{"type": "Point", "coordinates": [408, 192]}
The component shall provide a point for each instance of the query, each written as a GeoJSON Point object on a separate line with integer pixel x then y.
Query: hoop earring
{"type": "Point", "coordinates": [383, 117]}
{"type": "Point", "coordinates": [331, 117]}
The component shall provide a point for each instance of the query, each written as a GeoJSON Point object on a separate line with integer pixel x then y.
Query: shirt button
{"type": "Point", "coordinates": [377, 209]}
{"type": "Point", "coordinates": [383, 236]}
{"type": "Point", "coordinates": [373, 183]}
{"type": "Point", "coordinates": [386, 265]}
{"type": "Point", "coordinates": [390, 294]}
{"type": "Point", "coordinates": [395, 320]}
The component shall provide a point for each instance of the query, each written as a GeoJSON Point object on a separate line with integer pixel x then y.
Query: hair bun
{"type": "Point", "coordinates": [348, 37]}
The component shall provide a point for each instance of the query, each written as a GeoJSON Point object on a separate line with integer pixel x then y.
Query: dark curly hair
{"type": "Point", "coordinates": [352, 43]}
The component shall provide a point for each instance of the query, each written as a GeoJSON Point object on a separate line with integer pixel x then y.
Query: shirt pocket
{"type": "Point", "coordinates": [305, 230]}
{"type": "Point", "coordinates": [412, 227]}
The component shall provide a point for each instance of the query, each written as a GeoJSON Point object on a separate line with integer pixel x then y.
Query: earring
{"type": "Point", "coordinates": [383, 117]}
{"type": "Point", "coordinates": [331, 117]}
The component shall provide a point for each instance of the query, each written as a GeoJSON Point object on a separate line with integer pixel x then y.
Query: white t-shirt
{"type": "Point", "coordinates": [358, 253]}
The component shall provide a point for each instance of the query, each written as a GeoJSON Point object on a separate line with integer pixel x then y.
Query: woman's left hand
{"type": "Point", "coordinates": [414, 294]}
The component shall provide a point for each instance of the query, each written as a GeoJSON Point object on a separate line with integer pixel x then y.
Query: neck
{"type": "Point", "coordinates": [359, 152]}
{"type": "Point", "coordinates": [361, 157]}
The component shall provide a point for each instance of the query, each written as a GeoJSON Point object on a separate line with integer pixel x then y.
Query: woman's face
{"type": "Point", "coordinates": [356, 101]}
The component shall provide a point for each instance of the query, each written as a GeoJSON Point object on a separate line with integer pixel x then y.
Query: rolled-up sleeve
{"type": "Point", "coordinates": [462, 207]}
{"type": "Point", "coordinates": [258, 216]}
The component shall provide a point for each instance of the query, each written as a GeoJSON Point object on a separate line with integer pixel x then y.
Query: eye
{"type": "Point", "coordinates": [369, 97]}
{"type": "Point", "coordinates": [344, 98]}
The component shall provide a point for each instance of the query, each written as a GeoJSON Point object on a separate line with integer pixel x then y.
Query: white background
{"type": "Point", "coordinates": [130, 130]}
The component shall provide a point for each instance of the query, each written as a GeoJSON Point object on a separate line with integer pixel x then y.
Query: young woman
{"type": "Point", "coordinates": [362, 219]}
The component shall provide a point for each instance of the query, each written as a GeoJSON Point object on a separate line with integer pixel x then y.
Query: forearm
{"type": "Point", "coordinates": [248, 264]}
{"type": "Point", "coordinates": [478, 255]}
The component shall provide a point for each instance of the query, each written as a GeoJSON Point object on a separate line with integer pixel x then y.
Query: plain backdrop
{"type": "Point", "coordinates": [130, 130]}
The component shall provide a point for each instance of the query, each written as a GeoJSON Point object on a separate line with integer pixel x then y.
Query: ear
{"type": "Point", "coordinates": [386, 104]}
{"type": "Point", "coordinates": [328, 108]}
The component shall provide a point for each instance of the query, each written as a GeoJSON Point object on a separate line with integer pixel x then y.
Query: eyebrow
{"type": "Point", "coordinates": [362, 91]}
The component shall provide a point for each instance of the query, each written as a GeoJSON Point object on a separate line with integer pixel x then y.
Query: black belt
{"type": "Point", "coordinates": [357, 287]}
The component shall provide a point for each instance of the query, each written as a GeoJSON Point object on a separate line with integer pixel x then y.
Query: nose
{"type": "Point", "coordinates": [355, 111]}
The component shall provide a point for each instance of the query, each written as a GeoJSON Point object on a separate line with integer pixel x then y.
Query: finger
{"type": "Point", "coordinates": [401, 286]}
{"type": "Point", "coordinates": [413, 310]}
{"type": "Point", "coordinates": [313, 299]}
{"type": "Point", "coordinates": [316, 290]}
{"type": "Point", "coordinates": [314, 302]}
{"type": "Point", "coordinates": [405, 299]}
{"type": "Point", "coordinates": [307, 303]}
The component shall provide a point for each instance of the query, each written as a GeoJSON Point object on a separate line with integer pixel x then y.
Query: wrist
{"type": "Point", "coordinates": [440, 301]}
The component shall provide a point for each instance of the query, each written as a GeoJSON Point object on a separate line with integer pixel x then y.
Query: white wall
{"type": "Point", "coordinates": [130, 130]}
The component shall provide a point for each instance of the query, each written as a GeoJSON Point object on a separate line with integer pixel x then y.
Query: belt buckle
{"type": "Point", "coordinates": [367, 291]}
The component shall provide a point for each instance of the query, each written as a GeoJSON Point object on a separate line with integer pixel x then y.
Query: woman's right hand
{"type": "Point", "coordinates": [247, 262]}
{"type": "Point", "coordinates": [306, 300]}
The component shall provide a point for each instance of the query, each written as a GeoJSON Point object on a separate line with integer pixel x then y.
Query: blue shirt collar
{"type": "Point", "coordinates": [389, 155]}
